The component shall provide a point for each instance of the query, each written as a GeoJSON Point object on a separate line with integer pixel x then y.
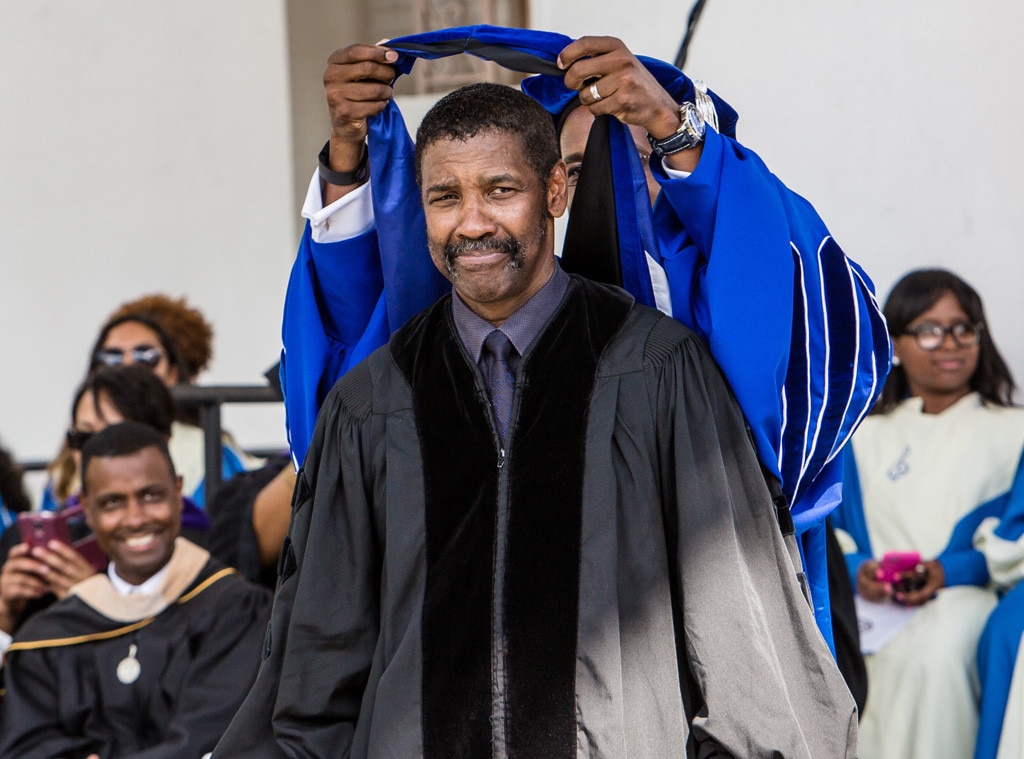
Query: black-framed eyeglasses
{"type": "Point", "coordinates": [147, 355]}
{"type": "Point", "coordinates": [929, 336]}
{"type": "Point", "coordinates": [77, 438]}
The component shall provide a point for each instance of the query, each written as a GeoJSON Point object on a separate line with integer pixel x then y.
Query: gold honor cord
{"type": "Point", "coordinates": [58, 642]}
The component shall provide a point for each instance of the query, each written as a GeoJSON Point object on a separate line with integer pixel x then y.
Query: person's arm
{"type": "Point", "coordinates": [357, 83]}
{"type": "Point", "coordinates": [767, 679]}
{"type": "Point", "coordinates": [334, 313]}
{"type": "Point", "coordinates": [1001, 539]}
{"type": "Point", "coordinates": [793, 323]}
{"type": "Point", "coordinates": [21, 580]}
{"type": "Point", "coordinates": [271, 514]}
{"type": "Point", "coordinates": [851, 526]}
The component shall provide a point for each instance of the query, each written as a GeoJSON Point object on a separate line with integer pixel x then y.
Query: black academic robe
{"type": "Point", "coordinates": [614, 583]}
{"type": "Point", "coordinates": [197, 658]}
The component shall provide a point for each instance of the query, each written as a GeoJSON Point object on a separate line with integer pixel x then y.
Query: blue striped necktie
{"type": "Point", "coordinates": [500, 376]}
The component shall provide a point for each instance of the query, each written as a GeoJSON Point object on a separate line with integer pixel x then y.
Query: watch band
{"type": "Point", "coordinates": [343, 178]}
{"type": "Point", "coordinates": [689, 134]}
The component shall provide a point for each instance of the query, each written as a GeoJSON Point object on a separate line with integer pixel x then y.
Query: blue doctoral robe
{"type": "Point", "coordinates": [751, 267]}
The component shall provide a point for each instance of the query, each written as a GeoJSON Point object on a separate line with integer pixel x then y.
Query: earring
{"type": "Point", "coordinates": [896, 360]}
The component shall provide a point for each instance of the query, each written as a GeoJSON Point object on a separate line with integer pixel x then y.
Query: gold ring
{"type": "Point", "coordinates": [594, 93]}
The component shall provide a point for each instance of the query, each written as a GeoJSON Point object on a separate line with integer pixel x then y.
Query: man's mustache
{"type": "Point", "coordinates": [509, 245]}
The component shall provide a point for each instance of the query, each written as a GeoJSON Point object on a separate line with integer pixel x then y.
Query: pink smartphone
{"type": "Point", "coordinates": [896, 562]}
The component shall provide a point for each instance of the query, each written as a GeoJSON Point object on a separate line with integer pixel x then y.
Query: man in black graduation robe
{"type": "Point", "coordinates": [154, 673]}
{"type": "Point", "coordinates": [606, 578]}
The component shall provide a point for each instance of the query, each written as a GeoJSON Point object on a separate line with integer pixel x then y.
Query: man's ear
{"type": "Point", "coordinates": [178, 483]}
{"type": "Point", "coordinates": [558, 189]}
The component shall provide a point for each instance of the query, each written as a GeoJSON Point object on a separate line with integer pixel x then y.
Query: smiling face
{"type": "Point", "coordinates": [490, 220]}
{"type": "Point", "coordinates": [942, 376]}
{"type": "Point", "coordinates": [133, 504]}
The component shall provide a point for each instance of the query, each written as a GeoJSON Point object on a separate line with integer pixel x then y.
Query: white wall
{"type": "Point", "coordinates": [147, 146]}
{"type": "Point", "coordinates": [899, 121]}
{"type": "Point", "coordinates": [143, 147]}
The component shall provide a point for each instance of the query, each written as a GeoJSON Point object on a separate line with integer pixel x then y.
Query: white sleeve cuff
{"type": "Point", "coordinates": [347, 217]}
{"type": "Point", "coordinates": [675, 173]}
{"type": "Point", "coordinates": [1005, 558]}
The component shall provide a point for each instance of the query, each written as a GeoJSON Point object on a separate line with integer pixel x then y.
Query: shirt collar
{"type": "Point", "coordinates": [521, 327]}
{"type": "Point", "coordinates": [148, 588]}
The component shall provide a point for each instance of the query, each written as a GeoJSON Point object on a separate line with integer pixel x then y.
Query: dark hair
{"type": "Point", "coordinates": [137, 393]}
{"type": "Point", "coordinates": [12, 488]}
{"type": "Point", "coordinates": [914, 294]}
{"type": "Point", "coordinates": [123, 439]}
{"type": "Point", "coordinates": [170, 348]}
{"type": "Point", "coordinates": [484, 107]}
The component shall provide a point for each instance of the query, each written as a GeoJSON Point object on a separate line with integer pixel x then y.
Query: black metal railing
{"type": "Point", "coordinates": [208, 399]}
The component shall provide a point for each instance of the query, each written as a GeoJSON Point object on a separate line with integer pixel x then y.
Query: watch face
{"type": "Point", "coordinates": [692, 121]}
{"type": "Point", "coordinates": [689, 134]}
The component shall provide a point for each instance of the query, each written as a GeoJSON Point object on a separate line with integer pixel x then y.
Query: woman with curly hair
{"type": "Point", "coordinates": [940, 455]}
{"type": "Point", "coordinates": [175, 341]}
{"type": "Point", "coordinates": [168, 335]}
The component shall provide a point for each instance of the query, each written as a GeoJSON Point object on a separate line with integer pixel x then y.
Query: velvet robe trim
{"type": "Point", "coordinates": [504, 672]}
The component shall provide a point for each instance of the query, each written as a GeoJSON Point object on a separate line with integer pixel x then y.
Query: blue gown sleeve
{"type": "Point", "coordinates": [963, 563]}
{"type": "Point", "coordinates": [791, 320]}
{"type": "Point", "coordinates": [334, 317]}
{"type": "Point", "coordinates": [345, 299]}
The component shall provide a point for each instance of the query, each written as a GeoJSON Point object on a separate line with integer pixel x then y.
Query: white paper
{"type": "Point", "coordinates": [879, 622]}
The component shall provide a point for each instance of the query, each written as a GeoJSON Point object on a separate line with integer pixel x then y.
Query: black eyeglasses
{"type": "Point", "coordinates": [77, 438]}
{"type": "Point", "coordinates": [929, 336]}
{"type": "Point", "coordinates": [147, 355]}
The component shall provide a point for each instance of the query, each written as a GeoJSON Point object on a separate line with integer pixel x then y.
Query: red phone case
{"type": "Point", "coordinates": [38, 528]}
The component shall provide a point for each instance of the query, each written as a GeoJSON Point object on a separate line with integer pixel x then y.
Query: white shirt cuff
{"type": "Point", "coordinates": [349, 216]}
{"type": "Point", "coordinates": [675, 173]}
